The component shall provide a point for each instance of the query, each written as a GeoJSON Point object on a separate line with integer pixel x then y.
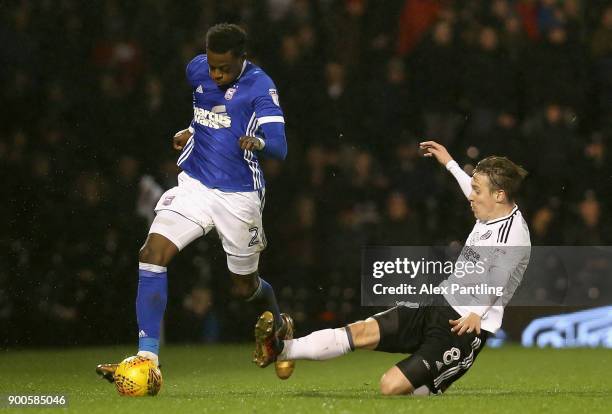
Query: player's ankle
{"type": "Point", "coordinates": [149, 355]}
{"type": "Point", "coordinates": [278, 345]}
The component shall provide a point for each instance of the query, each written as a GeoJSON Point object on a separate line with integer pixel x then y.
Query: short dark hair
{"type": "Point", "coordinates": [225, 37]}
{"type": "Point", "coordinates": [503, 174]}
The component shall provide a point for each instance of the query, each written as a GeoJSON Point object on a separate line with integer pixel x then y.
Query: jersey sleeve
{"type": "Point", "coordinates": [464, 180]}
{"type": "Point", "coordinates": [267, 103]}
{"type": "Point", "coordinates": [270, 119]}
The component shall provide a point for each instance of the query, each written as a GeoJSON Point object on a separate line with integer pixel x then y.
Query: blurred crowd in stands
{"type": "Point", "coordinates": [92, 93]}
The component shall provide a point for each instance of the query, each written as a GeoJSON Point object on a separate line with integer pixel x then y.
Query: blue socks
{"type": "Point", "coordinates": [150, 305]}
{"type": "Point", "coordinates": [264, 296]}
{"type": "Point", "coordinates": [153, 295]}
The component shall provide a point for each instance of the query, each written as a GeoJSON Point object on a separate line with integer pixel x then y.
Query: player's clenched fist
{"type": "Point", "coordinates": [180, 139]}
{"type": "Point", "coordinates": [250, 143]}
{"type": "Point", "coordinates": [433, 149]}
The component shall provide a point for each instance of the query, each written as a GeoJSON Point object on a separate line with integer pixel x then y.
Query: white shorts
{"type": "Point", "coordinates": [237, 217]}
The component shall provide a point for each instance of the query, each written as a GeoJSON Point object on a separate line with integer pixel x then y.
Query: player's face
{"type": "Point", "coordinates": [482, 200]}
{"type": "Point", "coordinates": [224, 68]}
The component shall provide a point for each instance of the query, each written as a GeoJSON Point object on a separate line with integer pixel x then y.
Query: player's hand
{"type": "Point", "coordinates": [469, 323]}
{"type": "Point", "coordinates": [180, 139]}
{"type": "Point", "coordinates": [433, 149]}
{"type": "Point", "coordinates": [250, 143]}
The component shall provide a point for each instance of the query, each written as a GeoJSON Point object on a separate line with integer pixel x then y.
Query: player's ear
{"type": "Point", "coordinates": [500, 196]}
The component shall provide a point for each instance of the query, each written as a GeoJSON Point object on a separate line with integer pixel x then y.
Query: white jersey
{"type": "Point", "coordinates": [503, 245]}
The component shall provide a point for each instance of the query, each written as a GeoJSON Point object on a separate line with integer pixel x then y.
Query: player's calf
{"type": "Point", "coordinates": [245, 286]}
{"type": "Point", "coordinates": [254, 289]}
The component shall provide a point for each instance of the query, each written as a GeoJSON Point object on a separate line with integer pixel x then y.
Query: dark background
{"type": "Point", "coordinates": [92, 92]}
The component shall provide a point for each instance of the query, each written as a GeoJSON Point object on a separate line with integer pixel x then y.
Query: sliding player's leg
{"type": "Point", "coordinates": [332, 343]}
{"type": "Point", "coordinates": [398, 329]}
{"type": "Point", "coordinates": [440, 358]}
{"type": "Point", "coordinates": [394, 330]}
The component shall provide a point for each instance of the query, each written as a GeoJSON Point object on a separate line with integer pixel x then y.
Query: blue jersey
{"type": "Point", "coordinates": [221, 115]}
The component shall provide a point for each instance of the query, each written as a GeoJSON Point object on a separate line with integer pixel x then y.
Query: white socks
{"type": "Point", "coordinates": [149, 355]}
{"type": "Point", "coordinates": [318, 346]}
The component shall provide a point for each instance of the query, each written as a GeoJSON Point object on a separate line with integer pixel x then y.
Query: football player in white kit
{"type": "Point", "coordinates": [236, 117]}
{"type": "Point", "coordinates": [443, 339]}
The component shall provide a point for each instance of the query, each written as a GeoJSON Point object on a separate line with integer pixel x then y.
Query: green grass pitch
{"type": "Point", "coordinates": [203, 379]}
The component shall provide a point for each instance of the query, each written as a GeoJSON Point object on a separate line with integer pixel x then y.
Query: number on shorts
{"type": "Point", "coordinates": [451, 355]}
{"type": "Point", "coordinates": [254, 239]}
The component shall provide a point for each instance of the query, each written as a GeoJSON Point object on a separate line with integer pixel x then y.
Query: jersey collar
{"type": "Point", "coordinates": [244, 65]}
{"type": "Point", "coordinates": [497, 220]}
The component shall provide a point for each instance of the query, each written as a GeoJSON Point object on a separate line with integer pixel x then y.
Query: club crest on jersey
{"type": "Point", "coordinates": [486, 235]}
{"type": "Point", "coordinates": [274, 96]}
{"type": "Point", "coordinates": [229, 94]}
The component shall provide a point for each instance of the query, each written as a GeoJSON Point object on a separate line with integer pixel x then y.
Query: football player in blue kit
{"type": "Point", "coordinates": [236, 117]}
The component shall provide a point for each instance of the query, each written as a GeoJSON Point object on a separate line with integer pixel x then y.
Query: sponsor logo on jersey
{"type": "Point", "coordinates": [274, 96]}
{"type": "Point", "coordinates": [229, 94]}
{"type": "Point", "coordinates": [439, 365]}
{"type": "Point", "coordinates": [216, 118]}
{"type": "Point", "coordinates": [199, 89]}
{"type": "Point", "coordinates": [470, 254]}
{"type": "Point", "coordinates": [426, 365]}
{"type": "Point", "coordinates": [168, 200]}
{"type": "Point", "coordinates": [486, 235]}
{"type": "Point", "coordinates": [142, 334]}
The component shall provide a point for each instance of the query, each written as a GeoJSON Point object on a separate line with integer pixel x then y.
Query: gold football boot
{"type": "Point", "coordinates": [265, 352]}
{"type": "Point", "coordinates": [107, 371]}
{"type": "Point", "coordinates": [284, 369]}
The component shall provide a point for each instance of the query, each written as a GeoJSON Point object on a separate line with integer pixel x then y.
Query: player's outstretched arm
{"type": "Point", "coordinates": [433, 149]}
{"type": "Point", "coordinates": [439, 152]}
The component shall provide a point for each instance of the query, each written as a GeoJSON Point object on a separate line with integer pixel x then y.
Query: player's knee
{"type": "Point", "coordinates": [358, 331]}
{"type": "Point", "coordinates": [365, 334]}
{"type": "Point", "coordinates": [153, 255]}
{"type": "Point", "coordinates": [393, 382]}
{"type": "Point", "coordinates": [244, 286]}
{"type": "Point", "coordinates": [389, 386]}
{"type": "Point", "coordinates": [157, 250]}
{"type": "Point", "coordinates": [149, 255]}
